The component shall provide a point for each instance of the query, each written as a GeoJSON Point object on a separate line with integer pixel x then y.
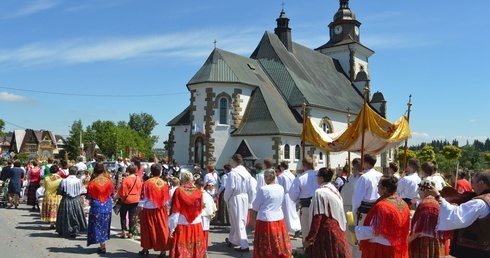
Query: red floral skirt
{"type": "Point", "coordinates": [271, 239]}
{"type": "Point", "coordinates": [188, 242]}
{"type": "Point", "coordinates": [328, 239]}
{"type": "Point", "coordinates": [426, 247]}
{"type": "Point", "coordinates": [154, 229]}
{"type": "Point", "coordinates": [375, 250]}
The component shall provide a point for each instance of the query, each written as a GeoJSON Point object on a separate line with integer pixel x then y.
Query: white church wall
{"type": "Point", "coordinates": [181, 144]}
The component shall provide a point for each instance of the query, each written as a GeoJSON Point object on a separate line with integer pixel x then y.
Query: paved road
{"type": "Point", "coordinates": [22, 234]}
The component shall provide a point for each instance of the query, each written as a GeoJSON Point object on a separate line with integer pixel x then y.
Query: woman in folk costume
{"type": "Point", "coordinates": [185, 222]}
{"type": "Point", "coordinates": [51, 200]}
{"type": "Point", "coordinates": [34, 179]}
{"type": "Point", "coordinates": [386, 227]}
{"type": "Point", "coordinates": [424, 241]}
{"type": "Point", "coordinates": [271, 235]}
{"type": "Point", "coordinates": [99, 191]}
{"type": "Point", "coordinates": [154, 230]}
{"type": "Point", "coordinates": [327, 236]}
{"type": "Point", "coordinates": [70, 219]}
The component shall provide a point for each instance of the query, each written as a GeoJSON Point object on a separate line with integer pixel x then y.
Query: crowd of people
{"type": "Point", "coordinates": [397, 214]}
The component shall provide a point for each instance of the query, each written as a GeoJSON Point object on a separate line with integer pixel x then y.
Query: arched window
{"type": "Point", "coordinates": [286, 151]}
{"type": "Point", "coordinates": [199, 151]}
{"type": "Point", "coordinates": [223, 111]}
{"type": "Point", "coordinates": [321, 156]}
{"type": "Point", "coordinates": [297, 152]}
{"type": "Point", "coordinates": [326, 127]}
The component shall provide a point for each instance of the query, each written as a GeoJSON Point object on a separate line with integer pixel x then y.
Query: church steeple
{"type": "Point", "coordinates": [283, 31]}
{"type": "Point", "coordinates": [345, 42]}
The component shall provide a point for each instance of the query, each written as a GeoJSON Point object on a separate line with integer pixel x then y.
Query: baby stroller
{"type": "Point", "coordinates": [4, 193]}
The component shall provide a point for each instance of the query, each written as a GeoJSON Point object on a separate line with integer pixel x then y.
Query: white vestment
{"type": "Point", "coordinates": [291, 217]}
{"type": "Point", "coordinates": [237, 193]}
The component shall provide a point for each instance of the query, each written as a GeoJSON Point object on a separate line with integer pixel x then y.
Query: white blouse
{"type": "Point", "coordinates": [268, 203]}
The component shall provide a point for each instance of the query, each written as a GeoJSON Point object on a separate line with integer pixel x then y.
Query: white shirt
{"type": "Point", "coordinates": [238, 182]}
{"type": "Point", "coordinates": [348, 189]}
{"type": "Point", "coordinates": [339, 182]}
{"type": "Point", "coordinates": [224, 177]}
{"type": "Point", "coordinates": [408, 186]}
{"type": "Point", "coordinates": [268, 203]}
{"type": "Point", "coordinates": [366, 189]}
{"type": "Point", "coordinates": [304, 185]}
{"type": "Point", "coordinates": [210, 177]}
{"type": "Point", "coordinates": [456, 217]}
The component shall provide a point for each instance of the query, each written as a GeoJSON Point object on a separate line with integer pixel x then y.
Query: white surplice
{"type": "Point", "coordinates": [291, 217]}
{"type": "Point", "coordinates": [237, 193]}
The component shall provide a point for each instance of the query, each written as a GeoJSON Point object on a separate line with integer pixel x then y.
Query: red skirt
{"type": "Point", "coordinates": [272, 239]}
{"type": "Point", "coordinates": [154, 229]}
{"type": "Point", "coordinates": [426, 247]}
{"type": "Point", "coordinates": [375, 250]}
{"type": "Point", "coordinates": [188, 242]}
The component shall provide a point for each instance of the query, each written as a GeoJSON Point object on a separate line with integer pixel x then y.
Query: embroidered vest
{"type": "Point", "coordinates": [473, 241]}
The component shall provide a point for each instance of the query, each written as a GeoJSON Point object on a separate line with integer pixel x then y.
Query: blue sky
{"type": "Point", "coordinates": [61, 61]}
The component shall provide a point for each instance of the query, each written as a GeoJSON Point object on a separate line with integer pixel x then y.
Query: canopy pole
{"type": "Point", "coordinates": [409, 104]}
{"type": "Point", "coordinates": [366, 90]}
{"type": "Point", "coordinates": [303, 142]}
{"type": "Point", "coordinates": [348, 153]}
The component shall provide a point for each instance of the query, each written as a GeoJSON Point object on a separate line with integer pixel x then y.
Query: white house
{"type": "Point", "coordinates": [253, 105]}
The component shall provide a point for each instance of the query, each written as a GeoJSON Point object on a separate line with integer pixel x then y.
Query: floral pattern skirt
{"type": "Point", "coordinates": [188, 242]}
{"type": "Point", "coordinates": [376, 250]}
{"type": "Point", "coordinates": [50, 206]}
{"type": "Point", "coordinates": [99, 222]}
{"type": "Point", "coordinates": [272, 239]}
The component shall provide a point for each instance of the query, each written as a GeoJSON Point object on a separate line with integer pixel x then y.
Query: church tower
{"type": "Point", "coordinates": [345, 44]}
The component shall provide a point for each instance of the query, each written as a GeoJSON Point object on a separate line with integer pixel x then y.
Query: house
{"type": "Point", "coordinates": [254, 105]}
{"type": "Point", "coordinates": [37, 144]}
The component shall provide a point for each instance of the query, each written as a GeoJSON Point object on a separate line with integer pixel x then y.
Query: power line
{"type": "Point", "coordinates": [12, 124]}
{"type": "Point", "coordinates": [95, 95]}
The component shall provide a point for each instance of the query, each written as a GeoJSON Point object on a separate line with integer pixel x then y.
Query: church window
{"type": "Point", "coordinates": [297, 152]}
{"type": "Point", "coordinates": [321, 156]}
{"type": "Point", "coordinates": [199, 151]}
{"type": "Point", "coordinates": [286, 151]}
{"type": "Point", "coordinates": [223, 111]}
{"type": "Point", "coordinates": [326, 125]}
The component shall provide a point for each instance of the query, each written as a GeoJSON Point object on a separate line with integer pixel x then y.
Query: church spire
{"type": "Point", "coordinates": [283, 31]}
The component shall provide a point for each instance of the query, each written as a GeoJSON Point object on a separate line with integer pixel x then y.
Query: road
{"type": "Point", "coordinates": [22, 234]}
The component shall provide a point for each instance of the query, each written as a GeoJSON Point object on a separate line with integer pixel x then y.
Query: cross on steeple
{"type": "Point", "coordinates": [283, 4]}
{"type": "Point", "coordinates": [344, 4]}
{"type": "Point", "coordinates": [215, 43]}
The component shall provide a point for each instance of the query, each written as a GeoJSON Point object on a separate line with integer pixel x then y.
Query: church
{"type": "Point", "coordinates": [254, 105]}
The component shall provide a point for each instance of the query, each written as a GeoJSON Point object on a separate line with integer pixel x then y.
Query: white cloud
{"type": "Point", "coordinates": [32, 7]}
{"type": "Point", "coordinates": [181, 46]}
{"type": "Point", "coordinates": [9, 97]}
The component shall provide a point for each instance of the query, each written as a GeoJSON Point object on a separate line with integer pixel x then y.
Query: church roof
{"type": "Point", "coordinates": [305, 74]}
{"type": "Point", "coordinates": [181, 119]}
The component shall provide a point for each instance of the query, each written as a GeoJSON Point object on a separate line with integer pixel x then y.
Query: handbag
{"type": "Point", "coordinates": [119, 203]}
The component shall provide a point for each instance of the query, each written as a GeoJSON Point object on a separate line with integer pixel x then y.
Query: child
{"type": "Point", "coordinates": [208, 211]}
{"type": "Point", "coordinates": [40, 197]}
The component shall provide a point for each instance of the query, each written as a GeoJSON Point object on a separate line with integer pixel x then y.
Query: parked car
{"type": "Point", "coordinates": [110, 166]}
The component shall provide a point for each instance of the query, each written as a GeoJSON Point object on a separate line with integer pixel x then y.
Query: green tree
{"type": "Point", "coordinates": [400, 156]}
{"type": "Point", "coordinates": [471, 158]}
{"type": "Point", "coordinates": [105, 136]}
{"type": "Point", "coordinates": [451, 153]}
{"type": "Point", "coordinates": [486, 157]}
{"type": "Point", "coordinates": [73, 140]}
{"type": "Point", "coordinates": [426, 154]}
{"type": "Point", "coordinates": [144, 124]}
{"type": "Point", "coordinates": [2, 127]}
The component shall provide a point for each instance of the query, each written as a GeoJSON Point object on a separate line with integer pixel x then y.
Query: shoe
{"type": "Point", "coordinates": [239, 249]}
{"type": "Point", "coordinates": [143, 252]}
{"type": "Point", "coordinates": [228, 243]}
{"type": "Point", "coordinates": [52, 226]}
{"type": "Point", "coordinates": [297, 234]}
{"type": "Point", "coordinates": [130, 235]}
{"type": "Point", "coordinates": [162, 255]}
{"type": "Point", "coordinates": [101, 250]}
{"type": "Point", "coordinates": [73, 236]}
{"type": "Point", "coordinates": [123, 234]}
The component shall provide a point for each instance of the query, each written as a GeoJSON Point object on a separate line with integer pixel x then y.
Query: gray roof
{"type": "Point", "coordinates": [307, 74]}
{"type": "Point", "coordinates": [181, 119]}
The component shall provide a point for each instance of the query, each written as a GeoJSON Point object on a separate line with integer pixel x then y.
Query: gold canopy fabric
{"type": "Point", "coordinates": [380, 135]}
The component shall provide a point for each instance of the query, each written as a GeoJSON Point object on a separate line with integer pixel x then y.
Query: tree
{"type": "Point", "coordinates": [426, 154]}
{"type": "Point", "coordinates": [451, 152]}
{"type": "Point", "coordinates": [486, 157]}
{"type": "Point", "coordinates": [2, 127]}
{"type": "Point", "coordinates": [400, 156]}
{"type": "Point", "coordinates": [73, 140]}
{"type": "Point", "coordinates": [142, 123]}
